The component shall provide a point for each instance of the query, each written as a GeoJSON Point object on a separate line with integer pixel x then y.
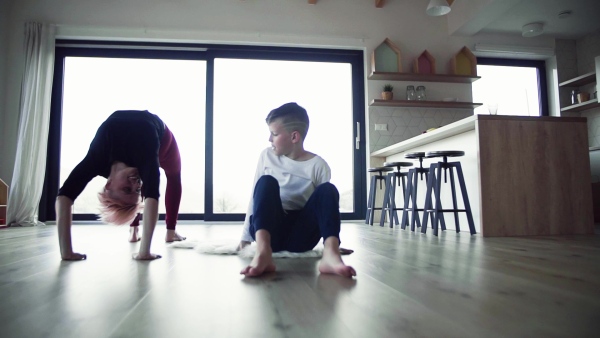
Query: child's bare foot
{"type": "Point", "coordinates": [332, 262]}
{"type": "Point", "coordinates": [173, 236]}
{"type": "Point", "coordinates": [261, 263]}
{"type": "Point", "coordinates": [134, 234]}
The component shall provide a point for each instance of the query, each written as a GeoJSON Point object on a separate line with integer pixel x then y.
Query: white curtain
{"type": "Point", "coordinates": [30, 161]}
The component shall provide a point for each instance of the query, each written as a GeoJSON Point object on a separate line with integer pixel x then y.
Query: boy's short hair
{"type": "Point", "coordinates": [293, 117]}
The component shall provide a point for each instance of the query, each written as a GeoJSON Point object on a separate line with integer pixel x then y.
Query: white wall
{"type": "Point", "coordinates": [330, 23]}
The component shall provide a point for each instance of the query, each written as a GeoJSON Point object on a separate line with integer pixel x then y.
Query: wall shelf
{"type": "Point", "coordinates": [424, 104]}
{"type": "Point", "coordinates": [579, 81]}
{"type": "Point", "coordinates": [390, 76]}
{"type": "Point", "coordinates": [593, 103]}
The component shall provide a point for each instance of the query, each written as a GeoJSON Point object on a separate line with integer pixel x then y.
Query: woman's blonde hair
{"type": "Point", "coordinates": [116, 212]}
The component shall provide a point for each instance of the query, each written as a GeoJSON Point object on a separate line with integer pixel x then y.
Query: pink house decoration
{"type": "Point", "coordinates": [424, 64]}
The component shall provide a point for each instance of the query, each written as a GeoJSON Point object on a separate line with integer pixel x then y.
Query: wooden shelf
{"type": "Point", "coordinates": [580, 80]}
{"type": "Point", "coordinates": [593, 103]}
{"type": "Point", "coordinates": [424, 104]}
{"type": "Point", "coordinates": [423, 77]}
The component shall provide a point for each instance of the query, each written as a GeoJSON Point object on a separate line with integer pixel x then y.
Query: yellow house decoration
{"type": "Point", "coordinates": [464, 63]}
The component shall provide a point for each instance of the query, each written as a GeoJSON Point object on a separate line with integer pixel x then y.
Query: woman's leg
{"type": "Point", "coordinates": [170, 160]}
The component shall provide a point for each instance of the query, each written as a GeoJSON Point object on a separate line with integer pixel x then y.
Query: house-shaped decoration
{"type": "Point", "coordinates": [464, 63]}
{"type": "Point", "coordinates": [424, 64]}
{"type": "Point", "coordinates": [386, 58]}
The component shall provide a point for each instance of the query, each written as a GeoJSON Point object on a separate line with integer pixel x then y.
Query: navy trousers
{"type": "Point", "coordinates": [295, 230]}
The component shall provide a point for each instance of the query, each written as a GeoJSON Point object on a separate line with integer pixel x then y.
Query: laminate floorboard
{"type": "Point", "coordinates": [407, 285]}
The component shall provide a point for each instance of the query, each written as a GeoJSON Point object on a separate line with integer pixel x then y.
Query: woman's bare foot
{"type": "Point", "coordinates": [173, 236]}
{"type": "Point", "coordinates": [134, 234]}
{"type": "Point", "coordinates": [261, 263]}
{"type": "Point", "coordinates": [331, 262]}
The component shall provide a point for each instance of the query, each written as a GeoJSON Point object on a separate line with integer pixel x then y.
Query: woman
{"type": "Point", "coordinates": [128, 150]}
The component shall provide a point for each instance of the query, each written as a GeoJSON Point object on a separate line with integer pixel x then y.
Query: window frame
{"type": "Point", "coordinates": [539, 65]}
{"type": "Point", "coordinates": [208, 53]}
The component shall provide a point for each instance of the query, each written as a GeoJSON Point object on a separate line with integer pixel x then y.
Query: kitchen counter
{"type": "Point", "coordinates": [524, 175]}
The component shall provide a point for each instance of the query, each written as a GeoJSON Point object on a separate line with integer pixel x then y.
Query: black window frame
{"type": "Point", "coordinates": [208, 53]}
{"type": "Point", "coordinates": [540, 66]}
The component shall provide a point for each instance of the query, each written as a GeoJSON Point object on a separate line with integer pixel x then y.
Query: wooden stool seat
{"type": "Point", "coordinates": [445, 153]}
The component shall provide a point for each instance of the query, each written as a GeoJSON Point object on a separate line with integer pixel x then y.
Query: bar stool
{"type": "Point", "coordinates": [435, 184]}
{"type": "Point", "coordinates": [389, 200]}
{"type": "Point", "coordinates": [378, 177]}
{"type": "Point", "coordinates": [410, 196]}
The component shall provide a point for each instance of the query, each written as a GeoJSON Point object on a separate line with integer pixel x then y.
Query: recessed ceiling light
{"type": "Point", "coordinates": [564, 14]}
{"type": "Point", "coordinates": [533, 29]}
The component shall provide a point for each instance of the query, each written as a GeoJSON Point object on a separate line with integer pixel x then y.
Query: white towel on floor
{"type": "Point", "coordinates": [223, 248]}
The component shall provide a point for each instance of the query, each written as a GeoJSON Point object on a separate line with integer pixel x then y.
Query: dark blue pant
{"type": "Point", "coordinates": [295, 230]}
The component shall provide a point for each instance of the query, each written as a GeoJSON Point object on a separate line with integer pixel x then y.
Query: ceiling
{"type": "Point", "coordinates": [509, 16]}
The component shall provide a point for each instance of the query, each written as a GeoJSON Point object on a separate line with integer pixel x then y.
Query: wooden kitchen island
{"type": "Point", "coordinates": [524, 175]}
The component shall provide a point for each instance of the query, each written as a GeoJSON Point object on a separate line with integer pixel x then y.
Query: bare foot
{"type": "Point", "coordinates": [134, 235]}
{"type": "Point", "coordinates": [261, 263]}
{"type": "Point", "coordinates": [173, 236]}
{"type": "Point", "coordinates": [332, 263]}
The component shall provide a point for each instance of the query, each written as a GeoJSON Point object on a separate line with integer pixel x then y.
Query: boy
{"type": "Point", "coordinates": [293, 204]}
{"type": "Point", "coordinates": [128, 149]}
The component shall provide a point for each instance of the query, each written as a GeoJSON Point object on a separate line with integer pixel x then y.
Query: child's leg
{"type": "Point", "coordinates": [265, 225]}
{"type": "Point", "coordinates": [321, 212]}
{"type": "Point", "coordinates": [170, 160]}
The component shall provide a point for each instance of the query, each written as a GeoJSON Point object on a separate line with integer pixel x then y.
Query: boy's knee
{"type": "Point", "coordinates": [267, 179]}
{"type": "Point", "coordinates": [328, 188]}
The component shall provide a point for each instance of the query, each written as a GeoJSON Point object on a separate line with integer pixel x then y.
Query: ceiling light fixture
{"type": "Point", "coordinates": [533, 29]}
{"type": "Point", "coordinates": [438, 8]}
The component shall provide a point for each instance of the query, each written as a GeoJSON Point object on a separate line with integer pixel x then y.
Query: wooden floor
{"type": "Point", "coordinates": [408, 285]}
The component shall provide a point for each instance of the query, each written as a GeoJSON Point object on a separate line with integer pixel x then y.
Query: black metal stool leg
{"type": "Point", "coordinates": [387, 204]}
{"type": "Point", "coordinates": [435, 219]}
{"type": "Point", "coordinates": [371, 201]}
{"type": "Point", "coordinates": [463, 189]}
{"type": "Point", "coordinates": [431, 180]}
{"type": "Point", "coordinates": [454, 203]}
{"type": "Point", "coordinates": [407, 195]}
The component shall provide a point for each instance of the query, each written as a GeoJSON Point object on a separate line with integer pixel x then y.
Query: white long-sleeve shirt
{"type": "Point", "coordinates": [297, 181]}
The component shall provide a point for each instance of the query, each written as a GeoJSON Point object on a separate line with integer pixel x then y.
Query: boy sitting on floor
{"type": "Point", "coordinates": [293, 205]}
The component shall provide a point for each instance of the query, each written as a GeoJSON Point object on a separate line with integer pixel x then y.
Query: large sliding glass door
{"type": "Point", "coordinates": [240, 133]}
{"type": "Point", "coordinates": [215, 100]}
{"type": "Point", "coordinates": [95, 87]}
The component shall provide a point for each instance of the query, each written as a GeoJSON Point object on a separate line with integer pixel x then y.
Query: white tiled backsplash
{"type": "Point", "coordinates": [404, 123]}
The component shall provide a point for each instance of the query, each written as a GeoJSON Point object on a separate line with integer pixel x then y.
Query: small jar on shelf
{"type": "Point", "coordinates": [410, 93]}
{"type": "Point", "coordinates": [421, 96]}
